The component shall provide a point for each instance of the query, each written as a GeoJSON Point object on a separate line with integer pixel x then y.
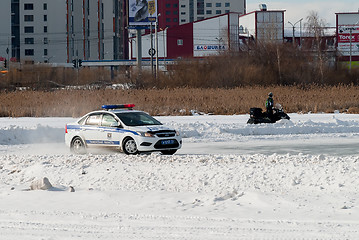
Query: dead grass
{"type": "Point", "coordinates": [180, 101]}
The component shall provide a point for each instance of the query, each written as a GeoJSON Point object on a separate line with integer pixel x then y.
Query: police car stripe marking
{"type": "Point", "coordinates": [73, 127]}
{"type": "Point", "coordinates": [103, 142]}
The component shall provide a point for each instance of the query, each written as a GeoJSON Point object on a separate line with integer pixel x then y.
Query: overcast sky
{"type": "Point", "coordinates": [297, 9]}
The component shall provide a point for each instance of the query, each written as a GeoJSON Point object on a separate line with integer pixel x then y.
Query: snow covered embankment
{"type": "Point", "coordinates": [207, 128]}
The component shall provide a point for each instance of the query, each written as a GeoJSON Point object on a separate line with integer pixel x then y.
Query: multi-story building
{"type": "Point", "coordinates": [38, 30]}
{"type": "Point", "coordinates": [177, 12]}
{"type": "Point", "coordinates": [194, 10]}
{"type": "Point", "coordinates": [168, 13]}
{"type": "Point", "coordinates": [96, 29]}
{"type": "Point", "coordinates": [59, 31]}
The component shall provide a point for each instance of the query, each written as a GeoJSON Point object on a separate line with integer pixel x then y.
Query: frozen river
{"type": "Point", "coordinates": [295, 179]}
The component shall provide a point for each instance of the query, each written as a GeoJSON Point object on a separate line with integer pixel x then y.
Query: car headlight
{"type": "Point", "coordinates": [146, 134]}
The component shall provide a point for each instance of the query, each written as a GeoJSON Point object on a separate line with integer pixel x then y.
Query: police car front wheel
{"type": "Point", "coordinates": [129, 146]}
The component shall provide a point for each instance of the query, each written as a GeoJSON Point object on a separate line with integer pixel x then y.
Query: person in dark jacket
{"type": "Point", "coordinates": [270, 105]}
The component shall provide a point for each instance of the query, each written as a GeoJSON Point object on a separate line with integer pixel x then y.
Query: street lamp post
{"type": "Point", "coordinates": [293, 25]}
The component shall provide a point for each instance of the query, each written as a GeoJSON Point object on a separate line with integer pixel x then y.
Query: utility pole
{"type": "Point", "coordinates": [139, 49]}
{"type": "Point", "coordinates": [350, 45]}
{"type": "Point", "coordinates": [350, 50]}
{"type": "Point", "coordinates": [151, 48]}
{"type": "Point", "coordinates": [8, 54]}
{"type": "Point", "coordinates": [156, 40]}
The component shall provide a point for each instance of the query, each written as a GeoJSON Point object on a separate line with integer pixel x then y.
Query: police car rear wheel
{"type": "Point", "coordinates": [78, 146]}
{"type": "Point", "coordinates": [129, 146]}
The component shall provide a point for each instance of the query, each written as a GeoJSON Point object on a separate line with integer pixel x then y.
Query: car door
{"type": "Point", "coordinates": [90, 130]}
{"type": "Point", "coordinates": [110, 130]}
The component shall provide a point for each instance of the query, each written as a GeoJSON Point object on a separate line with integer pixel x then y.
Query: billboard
{"type": "Point", "coordinates": [141, 12]}
{"type": "Point", "coordinates": [348, 40]}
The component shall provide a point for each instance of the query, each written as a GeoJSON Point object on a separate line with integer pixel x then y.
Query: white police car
{"type": "Point", "coordinates": [121, 127]}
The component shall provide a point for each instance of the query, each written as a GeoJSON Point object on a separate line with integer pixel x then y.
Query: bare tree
{"type": "Point", "coordinates": [315, 27]}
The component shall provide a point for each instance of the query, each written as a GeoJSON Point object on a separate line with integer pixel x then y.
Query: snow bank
{"type": "Point", "coordinates": [40, 134]}
{"type": "Point", "coordinates": [193, 128]}
{"type": "Point", "coordinates": [219, 174]}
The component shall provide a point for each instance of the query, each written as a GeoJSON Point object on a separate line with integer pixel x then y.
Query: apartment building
{"type": "Point", "coordinates": [169, 13]}
{"type": "Point", "coordinates": [38, 30]}
{"type": "Point", "coordinates": [194, 10]}
{"type": "Point", "coordinates": [96, 29]}
{"type": "Point", "coordinates": [5, 30]}
{"type": "Point", "coordinates": [58, 31]}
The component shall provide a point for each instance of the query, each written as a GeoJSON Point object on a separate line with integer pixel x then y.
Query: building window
{"type": "Point", "coordinates": [45, 6]}
{"type": "Point", "coordinates": [227, 11]}
{"type": "Point", "coordinates": [46, 40]}
{"type": "Point", "coordinates": [168, 12]}
{"type": "Point", "coordinates": [29, 18]}
{"type": "Point", "coordinates": [168, 5]}
{"type": "Point", "coordinates": [168, 19]}
{"type": "Point", "coordinates": [183, 6]}
{"type": "Point", "coordinates": [175, 20]}
{"type": "Point", "coordinates": [218, 12]}
{"type": "Point", "coordinates": [29, 40]}
{"type": "Point", "coordinates": [208, 4]}
{"type": "Point", "coordinates": [45, 18]}
{"type": "Point", "coordinates": [29, 52]}
{"type": "Point", "coordinates": [218, 4]}
{"type": "Point", "coordinates": [180, 42]}
{"type": "Point", "coordinates": [227, 4]}
{"type": "Point", "coordinates": [200, 18]}
{"type": "Point", "coordinates": [183, 20]}
{"type": "Point", "coordinates": [45, 52]}
{"type": "Point", "coordinates": [45, 29]}
{"type": "Point", "coordinates": [29, 29]}
{"type": "Point", "coordinates": [175, 5]}
{"type": "Point", "coordinates": [28, 6]}
{"type": "Point", "coordinates": [209, 12]}
{"type": "Point", "coordinates": [175, 12]}
{"type": "Point", "coordinates": [183, 13]}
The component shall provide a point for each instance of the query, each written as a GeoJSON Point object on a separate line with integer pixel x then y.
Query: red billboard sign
{"type": "Point", "coordinates": [345, 38]}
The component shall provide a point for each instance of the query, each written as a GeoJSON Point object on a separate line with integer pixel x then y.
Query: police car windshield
{"type": "Point", "coordinates": [137, 119]}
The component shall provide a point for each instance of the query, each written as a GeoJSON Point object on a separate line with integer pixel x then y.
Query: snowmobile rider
{"type": "Point", "coordinates": [270, 105]}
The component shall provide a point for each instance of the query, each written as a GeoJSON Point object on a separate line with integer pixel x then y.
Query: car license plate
{"type": "Point", "coordinates": [167, 142]}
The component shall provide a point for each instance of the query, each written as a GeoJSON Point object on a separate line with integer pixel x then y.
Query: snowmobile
{"type": "Point", "coordinates": [258, 116]}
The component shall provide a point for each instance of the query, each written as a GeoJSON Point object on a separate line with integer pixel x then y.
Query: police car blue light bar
{"type": "Point", "coordinates": [118, 106]}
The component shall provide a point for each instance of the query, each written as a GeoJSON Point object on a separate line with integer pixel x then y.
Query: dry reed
{"type": "Point", "coordinates": [180, 101]}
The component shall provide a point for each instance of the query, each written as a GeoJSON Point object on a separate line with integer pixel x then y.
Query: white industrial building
{"type": "Point", "coordinates": [263, 25]}
{"type": "Point", "coordinates": [214, 35]}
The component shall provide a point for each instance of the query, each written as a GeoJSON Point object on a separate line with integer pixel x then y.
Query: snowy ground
{"type": "Point", "coordinates": [295, 179]}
